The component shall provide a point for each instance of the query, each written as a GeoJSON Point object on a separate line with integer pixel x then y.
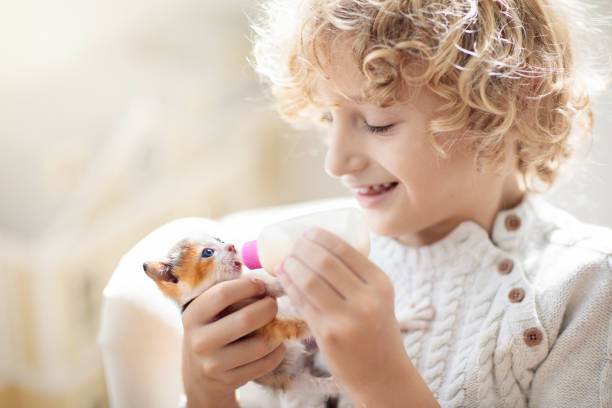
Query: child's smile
{"type": "Point", "coordinates": [370, 196]}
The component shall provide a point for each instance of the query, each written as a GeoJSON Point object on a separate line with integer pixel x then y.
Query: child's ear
{"type": "Point", "coordinates": [160, 271]}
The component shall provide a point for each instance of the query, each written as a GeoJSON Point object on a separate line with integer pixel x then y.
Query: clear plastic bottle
{"type": "Point", "coordinates": [275, 241]}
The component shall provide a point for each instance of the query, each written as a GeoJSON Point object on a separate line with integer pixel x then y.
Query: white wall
{"type": "Point", "coordinates": [587, 190]}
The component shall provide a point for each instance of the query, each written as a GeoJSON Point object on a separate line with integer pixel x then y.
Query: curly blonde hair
{"type": "Point", "coordinates": [498, 64]}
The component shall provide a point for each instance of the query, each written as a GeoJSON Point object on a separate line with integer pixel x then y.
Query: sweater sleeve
{"type": "Point", "coordinates": [577, 371]}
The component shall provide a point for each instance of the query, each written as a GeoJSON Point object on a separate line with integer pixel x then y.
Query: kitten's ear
{"type": "Point", "coordinates": [160, 271]}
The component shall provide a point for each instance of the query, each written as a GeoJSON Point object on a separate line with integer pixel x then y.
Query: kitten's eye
{"type": "Point", "coordinates": [208, 252]}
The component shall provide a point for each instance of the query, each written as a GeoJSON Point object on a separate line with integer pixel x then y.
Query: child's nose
{"type": "Point", "coordinates": [344, 155]}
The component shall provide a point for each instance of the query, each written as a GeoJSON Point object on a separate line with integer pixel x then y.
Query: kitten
{"type": "Point", "coordinates": [192, 266]}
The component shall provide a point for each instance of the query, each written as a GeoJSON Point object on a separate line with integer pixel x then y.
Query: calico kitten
{"type": "Point", "coordinates": [192, 266]}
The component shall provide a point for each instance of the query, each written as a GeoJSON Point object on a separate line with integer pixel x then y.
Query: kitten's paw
{"type": "Point", "coordinates": [285, 328]}
{"type": "Point", "coordinates": [274, 288]}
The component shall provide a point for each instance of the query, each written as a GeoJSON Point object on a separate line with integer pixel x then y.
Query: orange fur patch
{"type": "Point", "coordinates": [285, 328]}
{"type": "Point", "coordinates": [193, 269]}
{"type": "Point", "coordinates": [275, 380]}
{"type": "Point", "coordinates": [170, 289]}
{"type": "Point", "coordinates": [190, 268]}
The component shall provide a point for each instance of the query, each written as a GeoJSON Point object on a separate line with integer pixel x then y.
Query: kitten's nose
{"type": "Point", "coordinates": [231, 248]}
{"type": "Point", "coordinates": [144, 266]}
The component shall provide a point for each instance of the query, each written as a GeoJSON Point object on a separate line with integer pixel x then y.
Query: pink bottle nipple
{"type": "Point", "coordinates": [249, 255]}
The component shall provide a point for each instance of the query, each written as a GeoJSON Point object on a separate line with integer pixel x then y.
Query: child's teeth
{"type": "Point", "coordinates": [377, 189]}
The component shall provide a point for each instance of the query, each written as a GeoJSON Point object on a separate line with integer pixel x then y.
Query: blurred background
{"type": "Point", "coordinates": [119, 116]}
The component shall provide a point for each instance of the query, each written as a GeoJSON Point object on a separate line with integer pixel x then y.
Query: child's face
{"type": "Point", "coordinates": [373, 146]}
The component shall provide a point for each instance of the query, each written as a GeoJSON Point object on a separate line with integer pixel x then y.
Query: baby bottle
{"type": "Point", "coordinates": [275, 241]}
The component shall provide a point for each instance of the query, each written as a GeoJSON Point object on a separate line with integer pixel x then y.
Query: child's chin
{"type": "Point", "coordinates": [382, 226]}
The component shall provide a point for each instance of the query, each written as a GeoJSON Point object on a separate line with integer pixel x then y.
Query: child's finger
{"type": "Point", "coordinates": [298, 298]}
{"type": "Point", "coordinates": [213, 301]}
{"type": "Point", "coordinates": [352, 258]}
{"type": "Point", "coordinates": [312, 284]}
{"type": "Point", "coordinates": [238, 324]}
{"type": "Point", "coordinates": [246, 351]}
{"type": "Point", "coordinates": [258, 368]}
{"type": "Point", "coordinates": [328, 266]}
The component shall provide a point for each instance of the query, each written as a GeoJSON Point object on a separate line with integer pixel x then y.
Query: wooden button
{"type": "Point", "coordinates": [533, 337]}
{"type": "Point", "coordinates": [505, 266]}
{"type": "Point", "coordinates": [516, 295]}
{"type": "Point", "coordinates": [513, 222]}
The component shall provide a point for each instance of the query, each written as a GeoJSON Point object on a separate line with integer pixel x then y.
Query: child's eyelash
{"type": "Point", "coordinates": [327, 118]}
{"type": "Point", "coordinates": [378, 129]}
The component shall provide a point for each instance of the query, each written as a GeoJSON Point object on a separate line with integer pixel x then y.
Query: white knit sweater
{"type": "Point", "coordinates": [522, 318]}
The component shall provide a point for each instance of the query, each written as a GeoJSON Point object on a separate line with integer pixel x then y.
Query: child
{"type": "Point", "coordinates": [443, 117]}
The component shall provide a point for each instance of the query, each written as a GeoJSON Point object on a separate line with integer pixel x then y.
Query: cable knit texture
{"type": "Point", "coordinates": [522, 318]}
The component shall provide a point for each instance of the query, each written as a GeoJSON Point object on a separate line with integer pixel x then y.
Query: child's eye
{"type": "Point", "coordinates": [378, 129]}
{"type": "Point", "coordinates": [208, 252]}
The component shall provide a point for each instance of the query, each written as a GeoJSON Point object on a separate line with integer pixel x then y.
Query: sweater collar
{"type": "Point", "coordinates": [510, 229]}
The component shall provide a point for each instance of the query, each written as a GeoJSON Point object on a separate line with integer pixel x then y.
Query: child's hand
{"type": "Point", "coordinates": [348, 303]}
{"type": "Point", "coordinates": [216, 357]}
